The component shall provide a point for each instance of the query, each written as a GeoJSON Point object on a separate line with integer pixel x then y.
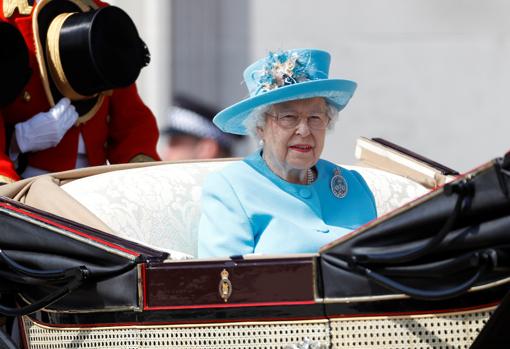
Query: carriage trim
{"type": "Point", "coordinates": [254, 335]}
{"type": "Point", "coordinates": [360, 299]}
{"type": "Point", "coordinates": [453, 329]}
{"type": "Point", "coordinates": [446, 330]}
{"type": "Point", "coordinates": [67, 231]}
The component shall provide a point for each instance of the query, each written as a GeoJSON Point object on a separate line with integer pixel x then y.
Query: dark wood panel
{"type": "Point", "coordinates": [253, 282]}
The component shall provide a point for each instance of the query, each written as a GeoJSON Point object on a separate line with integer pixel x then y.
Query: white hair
{"type": "Point", "coordinates": [258, 116]}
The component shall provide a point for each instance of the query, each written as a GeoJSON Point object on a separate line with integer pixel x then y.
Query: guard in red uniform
{"type": "Point", "coordinates": [80, 107]}
{"type": "Point", "coordinates": [13, 54]}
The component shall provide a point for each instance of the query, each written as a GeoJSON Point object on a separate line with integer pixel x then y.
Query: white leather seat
{"type": "Point", "coordinates": [159, 206]}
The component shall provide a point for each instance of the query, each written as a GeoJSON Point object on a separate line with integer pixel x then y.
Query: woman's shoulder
{"type": "Point", "coordinates": [349, 174]}
{"type": "Point", "coordinates": [356, 184]}
{"type": "Point", "coordinates": [231, 173]}
{"type": "Point", "coordinates": [326, 165]}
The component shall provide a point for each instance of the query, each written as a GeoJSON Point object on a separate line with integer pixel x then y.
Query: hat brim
{"type": "Point", "coordinates": [44, 12]}
{"type": "Point", "coordinates": [337, 92]}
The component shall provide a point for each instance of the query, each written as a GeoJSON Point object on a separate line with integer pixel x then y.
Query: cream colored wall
{"type": "Point", "coordinates": [433, 75]}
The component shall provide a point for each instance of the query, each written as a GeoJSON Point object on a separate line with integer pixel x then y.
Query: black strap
{"type": "Point", "coordinates": [465, 192]}
{"type": "Point", "coordinates": [49, 299]}
{"type": "Point", "coordinates": [442, 268]}
{"type": "Point", "coordinates": [428, 295]}
{"type": "Point", "coordinates": [480, 260]}
{"type": "Point", "coordinates": [71, 278]}
{"type": "Point", "coordinates": [55, 275]}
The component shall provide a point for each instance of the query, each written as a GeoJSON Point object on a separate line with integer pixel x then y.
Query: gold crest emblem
{"type": "Point", "coordinates": [225, 286]}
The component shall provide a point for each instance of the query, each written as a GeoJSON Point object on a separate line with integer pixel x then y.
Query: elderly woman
{"type": "Point", "coordinates": [283, 198]}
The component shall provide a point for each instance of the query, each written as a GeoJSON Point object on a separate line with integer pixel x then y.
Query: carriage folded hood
{"type": "Point", "coordinates": [452, 240]}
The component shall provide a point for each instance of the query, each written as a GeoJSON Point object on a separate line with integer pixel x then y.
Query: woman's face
{"type": "Point", "coordinates": [290, 151]}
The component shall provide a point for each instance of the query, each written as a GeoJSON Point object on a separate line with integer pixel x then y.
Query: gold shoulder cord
{"type": "Point", "coordinates": [6, 180]}
{"type": "Point", "coordinates": [141, 158]}
{"type": "Point", "coordinates": [22, 5]}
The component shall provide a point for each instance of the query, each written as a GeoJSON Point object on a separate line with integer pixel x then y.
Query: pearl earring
{"type": "Point", "coordinates": [261, 142]}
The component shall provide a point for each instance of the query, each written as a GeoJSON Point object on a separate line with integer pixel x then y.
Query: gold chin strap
{"type": "Point", "coordinates": [90, 114]}
{"type": "Point", "coordinates": [22, 5]}
{"type": "Point", "coordinates": [141, 158]}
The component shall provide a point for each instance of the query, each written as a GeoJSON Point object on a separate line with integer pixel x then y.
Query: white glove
{"type": "Point", "coordinates": [45, 130]}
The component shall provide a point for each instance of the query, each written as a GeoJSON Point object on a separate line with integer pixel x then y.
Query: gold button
{"type": "Point", "coordinates": [26, 96]}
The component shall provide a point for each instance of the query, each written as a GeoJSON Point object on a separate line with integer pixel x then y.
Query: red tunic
{"type": "Point", "coordinates": [122, 128]}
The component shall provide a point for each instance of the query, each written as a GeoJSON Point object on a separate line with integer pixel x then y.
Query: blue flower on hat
{"type": "Point", "coordinates": [285, 68]}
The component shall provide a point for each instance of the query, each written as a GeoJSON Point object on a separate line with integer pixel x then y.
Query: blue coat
{"type": "Point", "coordinates": [246, 208]}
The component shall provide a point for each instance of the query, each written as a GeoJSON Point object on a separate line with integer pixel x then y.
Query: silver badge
{"type": "Point", "coordinates": [339, 185]}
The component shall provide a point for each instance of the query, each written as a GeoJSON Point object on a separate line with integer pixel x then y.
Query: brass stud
{"type": "Point", "coordinates": [26, 96]}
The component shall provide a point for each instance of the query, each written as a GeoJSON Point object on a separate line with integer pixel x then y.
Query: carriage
{"type": "Point", "coordinates": [106, 258]}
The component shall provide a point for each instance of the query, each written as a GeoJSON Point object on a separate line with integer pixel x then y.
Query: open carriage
{"type": "Point", "coordinates": [105, 258]}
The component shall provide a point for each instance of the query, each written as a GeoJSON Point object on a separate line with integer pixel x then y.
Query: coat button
{"type": "Point", "coordinates": [305, 193]}
{"type": "Point", "coordinates": [26, 96]}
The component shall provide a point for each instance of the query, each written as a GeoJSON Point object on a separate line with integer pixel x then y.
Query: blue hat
{"type": "Point", "coordinates": [285, 76]}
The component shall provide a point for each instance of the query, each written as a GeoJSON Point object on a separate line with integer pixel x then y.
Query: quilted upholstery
{"type": "Point", "coordinates": [390, 191]}
{"type": "Point", "coordinates": [159, 206]}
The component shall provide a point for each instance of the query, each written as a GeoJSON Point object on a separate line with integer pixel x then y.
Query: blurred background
{"type": "Point", "coordinates": [433, 75]}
